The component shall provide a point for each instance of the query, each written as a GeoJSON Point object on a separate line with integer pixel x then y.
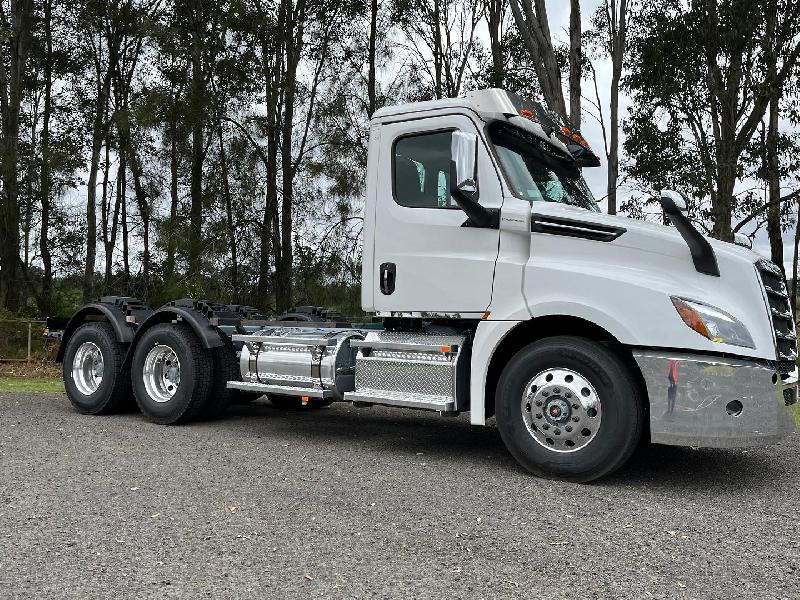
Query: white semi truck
{"type": "Point", "coordinates": [503, 292]}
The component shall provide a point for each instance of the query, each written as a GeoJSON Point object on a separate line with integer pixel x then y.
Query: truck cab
{"type": "Point", "coordinates": [503, 292]}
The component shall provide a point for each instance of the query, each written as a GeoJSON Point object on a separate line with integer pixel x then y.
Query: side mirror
{"type": "Point", "coordinates": [741, 239]}
{"type": "Point", "coordinates": [464, 153]}
{"type": "Point", "coordinates": [673, 201]}
{"type": "Point", "coordinates": [464, 181]}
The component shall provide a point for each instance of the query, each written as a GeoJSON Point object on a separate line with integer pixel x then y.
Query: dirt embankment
{"type": "Point", "coordinates": [37, 368]}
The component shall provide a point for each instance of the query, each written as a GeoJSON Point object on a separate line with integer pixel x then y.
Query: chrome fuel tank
{"type": "Point", "coordinates": [318, 360]}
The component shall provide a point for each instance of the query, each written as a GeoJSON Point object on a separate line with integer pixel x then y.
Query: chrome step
{"type": "Point", "coordinates": [371, 344]}
{"type": "Point", "coordinates": [443, 404]}
{"type": "Point", "coordinates": [266, 388]}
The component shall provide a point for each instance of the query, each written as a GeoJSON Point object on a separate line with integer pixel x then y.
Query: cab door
{"type": "Point", "coordinates": [424, 259]}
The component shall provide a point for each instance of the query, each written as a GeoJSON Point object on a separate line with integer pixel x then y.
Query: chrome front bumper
{"type": "Point", "coordinates": [706, 401]}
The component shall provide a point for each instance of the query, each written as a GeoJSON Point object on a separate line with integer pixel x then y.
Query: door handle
{"type": "Point", "coordinates": [388, 273]}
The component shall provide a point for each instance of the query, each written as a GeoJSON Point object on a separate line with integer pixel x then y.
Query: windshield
{"type": "Point", "coordinates": [537, 170]}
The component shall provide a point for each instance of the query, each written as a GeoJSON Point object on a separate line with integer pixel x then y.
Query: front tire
{"type": "Point", "coordinates": [172, 374]}
{"type": "Point", "coordinates": [569, 408]}
{"type": "Point", "coordinates": [94, 377]}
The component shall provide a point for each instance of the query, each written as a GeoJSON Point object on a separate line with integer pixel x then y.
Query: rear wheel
{"type": "Point", "coordinates": [94, 377]}
{"type": "Point", "coordinates": [172, 374]}
{"type": "Point", "coordinates": [569, 408]}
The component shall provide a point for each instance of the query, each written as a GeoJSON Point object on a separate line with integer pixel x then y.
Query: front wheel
{"type": "Point", "coordinates": [569, 408]}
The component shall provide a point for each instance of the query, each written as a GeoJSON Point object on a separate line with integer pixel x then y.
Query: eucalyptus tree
{"type": "Point", "coordinates": [701, 81]}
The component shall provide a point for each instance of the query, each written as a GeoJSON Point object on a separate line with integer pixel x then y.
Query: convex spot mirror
{"type": "Point", "coordinates": [671, 198]}
{"type": "Point", "coordinates": [464, 153]}
{"type": "Point", "coordinates": [741, 239]}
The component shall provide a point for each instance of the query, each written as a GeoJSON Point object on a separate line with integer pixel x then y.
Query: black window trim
{"type": "Point", "coordinates": [394, 166]}
{"type": "Point", "coordinates": [504, 173]}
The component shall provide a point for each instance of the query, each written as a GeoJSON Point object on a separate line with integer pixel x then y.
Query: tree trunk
{"type": "Point", "coordinates": [144, 212]}
{"type": "Point", "coordinates": [435, 24]}
{"type": "Point", "coordinates": [198, 152]}
{"type": "Point", "coordinates": [372, 91]}
{"type": "Point", "coordinates": [774, 182]}
{"type": "Point", "coordinates": [294, 44]}
{"type": "Point", "coordinates": [169, 264]}
{"type": "Point", "coordinates": [575, 63]}
{"type": "Point", "coordinates": [126, 266]}
{"type": "Point", "coordinates": [494, 21]}
{"type": "Point", "coordinates": [723, 202]}
{"type": "Point", "coordinates": [272, 53]}
{"type": "Point", "coordinates": [110, 238]}
{"type": "Point", "coordinates": [617, 34]}
{"type": "Point", "coordinates": [46, 294]}
{"type": "Point", "coordinates": [100, 128]}
{"type": "Point", "coordinates": [534, 28]}
{"type": "Point", "coordinates": [226, 192]}
{"type": "Point", "coordinates": [11, 90]}
{"type": "Point", "coordinates": [794, 261]}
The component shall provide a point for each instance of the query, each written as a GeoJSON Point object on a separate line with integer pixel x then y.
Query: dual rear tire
{"type": "Point", "coordinates": [172, 378]}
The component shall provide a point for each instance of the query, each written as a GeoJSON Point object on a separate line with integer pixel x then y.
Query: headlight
{"type": "Point", "coordinates": [713, 323]}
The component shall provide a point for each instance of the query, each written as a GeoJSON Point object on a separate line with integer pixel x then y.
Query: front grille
{"type": "Point", "coordinates": [780, 309]}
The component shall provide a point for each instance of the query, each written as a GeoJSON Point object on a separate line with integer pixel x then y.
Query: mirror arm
{"type": "Point", "coordinates": [705, 261]}
{"type": "Point", "coordinates": [478, 216]}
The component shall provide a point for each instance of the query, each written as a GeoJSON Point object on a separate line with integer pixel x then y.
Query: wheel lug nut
{"type": "Point", "coordinates": [568, 395]}
{"type": "Point", "coordinates": [575, 406]}
{"type": "Point", "coordinates": [568, 428]}
{"type": "Point", "coordinates": [545, 426]}
{"type": "Point", "coordinates": [538, 403]}
{"type": "Point", "coordinates": [557, 431]}
{"type": "Point", "coordinates": [545, 394]}
{"type": "Point", "coordinates": [556, 390]}
{"type": "Point", "coordinates": [538, 415]}
{"type": "Point", "coordinates": [576, 419]}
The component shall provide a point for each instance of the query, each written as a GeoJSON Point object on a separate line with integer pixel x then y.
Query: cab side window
{"type": "Point", "coordinates": [422, 170]}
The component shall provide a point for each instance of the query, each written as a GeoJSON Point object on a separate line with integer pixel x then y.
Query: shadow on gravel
{"type": "Point", "coordinates": [699, 469]}
{"type": "Point", "coordinates": [651, 465]}
{"type": "Point", "coordinates": [343, 427]}
{"type": "Point", "coordinates": [403, 432]}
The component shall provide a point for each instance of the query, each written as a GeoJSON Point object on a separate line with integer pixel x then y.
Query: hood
{"type": "Point", "coordinates": [653, 237]}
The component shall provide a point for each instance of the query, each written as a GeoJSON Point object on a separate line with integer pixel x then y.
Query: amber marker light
{"type": "Point", "coordinates": [691, 317]}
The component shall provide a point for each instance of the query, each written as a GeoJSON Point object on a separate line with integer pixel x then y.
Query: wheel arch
{"type": "Point", "coordinates": [97, 311]}
{"type": "Point", "coordinates": [208, 335]}
{"type": "Point", "coordinates": [539, 328]}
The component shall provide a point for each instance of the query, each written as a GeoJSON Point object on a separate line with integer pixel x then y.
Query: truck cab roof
{"type": "Point", "coordinates": [496, 104]}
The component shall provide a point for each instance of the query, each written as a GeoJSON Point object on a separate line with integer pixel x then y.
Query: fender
{"type": "Point", "coordinates": [208, 334]}
{"type": "Point", "coordinates": [491, 334]}
{"type": "Point", "coordinates": [120, 311]}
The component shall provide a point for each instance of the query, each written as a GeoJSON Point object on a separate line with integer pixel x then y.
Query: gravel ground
{"type": "Point", "coordinates": [373, 503]}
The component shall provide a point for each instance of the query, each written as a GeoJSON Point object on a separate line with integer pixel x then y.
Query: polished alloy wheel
{"type": "Point", "coordinates": [87, 368]}
{"type": "Point", "coordinates": [162, 373]}
{"type": "Point", "coordinates": [561, 410]}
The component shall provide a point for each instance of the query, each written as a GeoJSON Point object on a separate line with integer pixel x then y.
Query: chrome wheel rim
{"type": "Point", "coordinates": [561, 410]}
{"type": "Point", "coordinates": [88, 368]}
{"type": "Point", "coordinates": [162, 373]}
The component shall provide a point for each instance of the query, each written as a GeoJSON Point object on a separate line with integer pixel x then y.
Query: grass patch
{"type": "Point", "coordinates": [31, 384]}
{"type": "Point", "coordinates": [794, 409]}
